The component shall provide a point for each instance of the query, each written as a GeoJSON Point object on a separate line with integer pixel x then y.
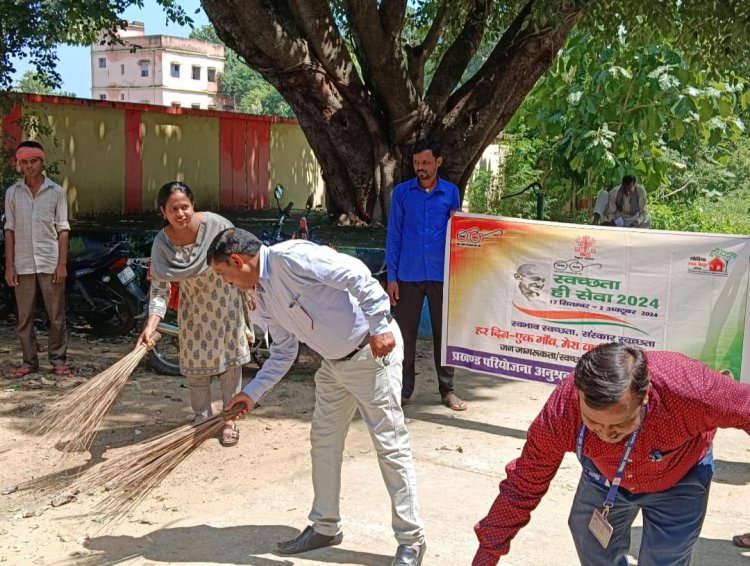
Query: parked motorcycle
{"type": "Point", "coordinates": [100, 289]}
{"type": "Point", "coordinates": [375, 262]}
{"type": "Point", "coordinates": [275, 234]}
{"type": "Point", "coordinates": [304, 232]}
{"type": "Point", "coordinates": [164, 356]}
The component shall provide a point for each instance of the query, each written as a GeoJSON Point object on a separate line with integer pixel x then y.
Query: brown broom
{"type": "Point", "coordinates": [132, 474]}
{"type": "Point", "coordinates": [71, 423]}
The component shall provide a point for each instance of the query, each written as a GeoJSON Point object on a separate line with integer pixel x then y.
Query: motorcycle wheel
{"type": "Point", "coordinates": [164, 357]}
{"type": "Point", "coordinates": [121, 318]}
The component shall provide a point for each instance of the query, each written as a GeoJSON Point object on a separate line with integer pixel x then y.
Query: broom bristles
{"type": "Point", "coordinates": [131, 475]}
{"type": "Point", "coordinates": [71, 423]}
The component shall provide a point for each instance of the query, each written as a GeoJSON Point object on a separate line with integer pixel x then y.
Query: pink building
{"type": "Point", "coordinates": [158, 69]}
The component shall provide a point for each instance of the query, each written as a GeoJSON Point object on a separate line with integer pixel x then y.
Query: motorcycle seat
{"type": "Point", "coordinates": [97, 256]}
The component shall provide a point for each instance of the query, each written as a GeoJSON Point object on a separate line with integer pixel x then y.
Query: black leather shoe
{"type": "Point", "coordinates": [309, 540]}
{"type": "Point", "coordinates": [407, 556]}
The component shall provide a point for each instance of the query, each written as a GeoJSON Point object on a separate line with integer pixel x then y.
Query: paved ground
{"type": "Point", "coordinates": [230, 506]}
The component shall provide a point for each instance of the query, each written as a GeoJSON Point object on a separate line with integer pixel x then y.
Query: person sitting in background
{"type": "Point", "coordinates": [623, 206]}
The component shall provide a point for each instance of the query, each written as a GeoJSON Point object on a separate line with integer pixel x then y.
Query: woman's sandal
{"type": "Point", "coordinates": [18, 373]}
{"type": "Point", "coordinates": [230, 435]}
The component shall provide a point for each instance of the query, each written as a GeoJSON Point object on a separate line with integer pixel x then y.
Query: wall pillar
{"type": "Point", "coordinates": [133, 163]}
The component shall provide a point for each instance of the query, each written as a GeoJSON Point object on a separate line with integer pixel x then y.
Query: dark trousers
{"type": "Point", "coordinates": [672, 519]}
{"type": "Point", "coordinates": [30, 287]}
{"type": "Point", "coordinates": [408, 311]}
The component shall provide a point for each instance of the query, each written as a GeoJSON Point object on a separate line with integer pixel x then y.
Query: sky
{"type": "Point", "coordinates": [74, 63]}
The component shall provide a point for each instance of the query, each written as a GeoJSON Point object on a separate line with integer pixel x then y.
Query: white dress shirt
{"type": "Point", "coordinates": [312, 294]}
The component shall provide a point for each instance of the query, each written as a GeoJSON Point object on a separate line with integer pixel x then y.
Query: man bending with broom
{"type": "Point", "coordinates": [328, 300]}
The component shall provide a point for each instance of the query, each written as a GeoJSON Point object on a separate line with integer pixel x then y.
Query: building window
{"type": "Point", "coordinates": [102, 62]}
{"type": "Point", "coordinates": [122, 96]}
{"type": "Point", "coordinates": [176, 104]}
{"type": "Point", "coordinates": [122, 69]}
{"type": "Point", "coordinates": [211, 75]}
{"type": "Point", "coordinates": [195, 106]}
{"type": "Point", "coordinates": [174, 70]}
{"type": "Point", "coordinates": [102, 97]}
{"type": "Point", "coordinates": [144, 68]}
{"type": "Point", "coordinates": [196, 73]}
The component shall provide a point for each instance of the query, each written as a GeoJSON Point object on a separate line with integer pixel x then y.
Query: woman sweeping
{"type": "Point", "coordinates": [211, 316]}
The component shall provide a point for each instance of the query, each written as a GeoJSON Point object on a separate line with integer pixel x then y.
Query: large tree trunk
{"type": "Point", "coordinates": [362, 123]}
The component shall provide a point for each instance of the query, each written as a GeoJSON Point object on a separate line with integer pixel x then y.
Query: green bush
{"type": "Point", "coordinates": [723, 214]}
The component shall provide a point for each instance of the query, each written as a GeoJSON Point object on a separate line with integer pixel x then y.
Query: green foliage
{"type": "Point", "coordinates": [714, 196]}
{"type": "Point", "coordinates": [479, 192]}
{"type": "Point", "coordinates": [32, 82]}
{"type": "Point", "coordinates": [725, 214]}
{"type": "Point", "coordinates": [247, 88]}
{"type": "Point", "coordinates": [36, 129]}
{"type": "Point", "coordinates": [263, 98]}
{"type": "Point", "coordinates": [614, 107]}
{"type": "Point", "coordinates": [490, 192]}
{"type": "Point", "coordinates": [33, 29]}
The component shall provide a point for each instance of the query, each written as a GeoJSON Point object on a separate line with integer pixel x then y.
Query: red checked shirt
{"type": "Point", "coordinates": [687, 403]}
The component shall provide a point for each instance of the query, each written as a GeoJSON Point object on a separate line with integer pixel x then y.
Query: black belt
{"type": "Point", "coordinates": [350, 355]}
{"type": "Point", "coordinates": [365, 342]}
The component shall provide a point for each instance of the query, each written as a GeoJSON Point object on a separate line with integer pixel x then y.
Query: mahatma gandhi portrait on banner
{"type": "Point", "coordinates": [531, 279]}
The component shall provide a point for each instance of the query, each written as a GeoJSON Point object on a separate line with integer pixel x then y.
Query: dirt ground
{"type": "Point", "coordinates": [231, 505]}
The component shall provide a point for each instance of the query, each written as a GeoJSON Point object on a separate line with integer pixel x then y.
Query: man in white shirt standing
{"type": "Point", "coordinates": [36, 253]}
{"type": "Point", "coordinates": [328, 300]}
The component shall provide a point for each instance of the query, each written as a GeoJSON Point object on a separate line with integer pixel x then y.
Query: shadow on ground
{"type": "Point", "coordinates": [707, 551]}
{"type": "Point", "coordinates": [204, 544]}
{"type": "Point", "coordinates": [732, 473]}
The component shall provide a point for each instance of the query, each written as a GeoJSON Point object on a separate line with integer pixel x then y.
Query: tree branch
{"type": "Point", "coordinates": [382, 61]}
{"type": "Point", "coordinates": [482, 106]}
{"type": "Point", "coordinates": [392, 14]}
{"type": "Point", "coordinates": [317, 24]}
{"type": "Point", "coordinates": [456, 59]}
{"type": "Point", "coordinates": [418, 55]}
{"type": "Point", "coordinates": [270, 47]}
{"type": "Point", "coordinates": [682, 188]}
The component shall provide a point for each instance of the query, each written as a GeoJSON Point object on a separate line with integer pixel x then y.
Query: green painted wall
{"type": "Point", "coordinates": [294, 166]}
{"type": "Point", "coordinates": [180, 148]}
{"type": "Point", "coordinates": [90, 154]}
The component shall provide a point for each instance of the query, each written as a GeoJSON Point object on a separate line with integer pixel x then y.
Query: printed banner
{"type": "Point", "coordinates": [525, 299]}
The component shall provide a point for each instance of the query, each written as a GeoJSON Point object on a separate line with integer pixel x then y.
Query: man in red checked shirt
{"type": "Point", "coordinates": [642, 424]}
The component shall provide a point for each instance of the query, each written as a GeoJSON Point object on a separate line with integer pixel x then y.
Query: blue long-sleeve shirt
{"type": "Point", "coordinates": [315, 295]}
{"type": "Point", "coordinates": [415, 244]}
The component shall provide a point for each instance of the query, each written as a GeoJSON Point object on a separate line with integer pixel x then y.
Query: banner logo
{"type": "Point", "coordinates": [585, 246]}
{"type": "Point", "coordinates": [715, 263]}
{"type": "Point", "coordinates": [472, 237]}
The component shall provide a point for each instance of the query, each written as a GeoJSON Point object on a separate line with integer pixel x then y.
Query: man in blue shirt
{"type": "Point", "coordinates": [415, 256]}
{"type": "Point", "coordinates": [328, 300]}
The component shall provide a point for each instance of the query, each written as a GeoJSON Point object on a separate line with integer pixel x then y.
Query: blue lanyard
{"type": "Point", "coordinates": [600, 479]}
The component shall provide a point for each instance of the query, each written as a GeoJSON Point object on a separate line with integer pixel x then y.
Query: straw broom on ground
{"type": "Point", "coordinates": [71, 423]}
{"type": "Point", "coordinates": [131, 475]}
